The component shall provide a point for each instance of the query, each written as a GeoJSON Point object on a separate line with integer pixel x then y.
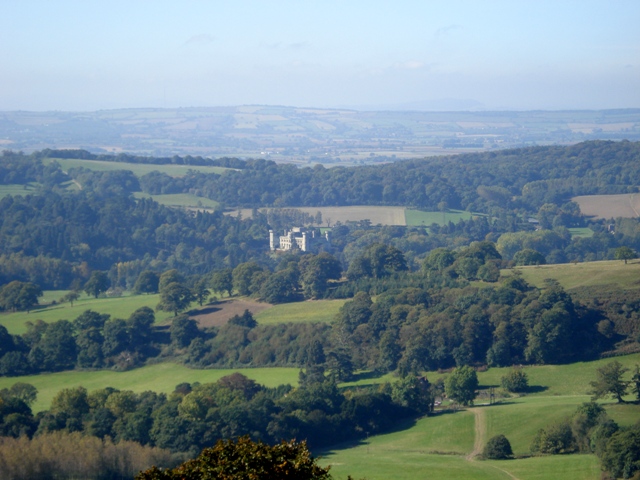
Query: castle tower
{"type": "Point", "coordinates": [272, 241]}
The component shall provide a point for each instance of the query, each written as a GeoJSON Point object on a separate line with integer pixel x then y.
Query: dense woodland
{"type": "Point", "coordinates": [418, 298]}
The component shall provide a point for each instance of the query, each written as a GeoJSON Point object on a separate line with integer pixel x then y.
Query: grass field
{"type": "Point", "coordinates": [441, 447]}
{"type": "Point", "coordinates": [581, 232]}
{"type": "Point", "coordinates": [301, 312]}
{"type": "Point", "coordinates": [180, 200]}
{"type": "Point", "coordinates": [117, 307]}
{"type": "Point", "coordinates": [605, 273]}
{"type": "Point", "coordinates": [138, 169]}
{"type": "Point", "coordinates": [15, 189]}
{"type": "Point", "coordinates": [162, 377]}
{"type": "Point", "coordinates": [375, 214]}
{"type": "Point", "coordinates": [610, 206]}
{"type": "Point", "coordinates": [416, 218]}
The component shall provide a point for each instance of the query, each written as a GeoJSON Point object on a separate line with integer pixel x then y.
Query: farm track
{"type": "Point", "coordinates": [480, 439]}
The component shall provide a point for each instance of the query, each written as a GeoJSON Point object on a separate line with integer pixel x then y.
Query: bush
{"type": "Point", "coordinates": [497, 448]}
{"type": "Point", "coordinates": [555, 439]}
{"type": "Point", "coordinates": [515, 381]}
{"type": "Point", "coordinates": [246, 459]}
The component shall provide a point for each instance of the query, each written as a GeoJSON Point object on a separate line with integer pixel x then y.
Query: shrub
{"type": "Point", "coordinates": [246, 459]}
{"type": "Point", "coordinates": [498, 448]}
{"type": "Point", "coordinates": [555, 439]}
{"type": "Point", "coordinates": [515, 381]}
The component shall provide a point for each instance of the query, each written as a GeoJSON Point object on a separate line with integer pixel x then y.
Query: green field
{"type": "Point", "coordinates": [581, 232]}
{"type": "Point", "coordinates": [417, 218]}
{"type": "Point", "coordinates": [138, 169]}
{"type": "Point", "coordinates": [180, 200]}
{"type": "Point", "coordinates": [117, 307]}
{"type": "Point", "coordinates": [14, 189]}
{"type": "Point", "coordinates": [162, 377]}
{"type": "Point", "coordinates": [442, 446]}
{"type": "Point", "coordinates": [300, 312]}
{"type": "Point", "coordinates": [610, 273]}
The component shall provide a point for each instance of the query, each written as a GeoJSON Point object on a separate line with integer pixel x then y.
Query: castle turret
{"type": "Point", "coordinates": [272, 241]}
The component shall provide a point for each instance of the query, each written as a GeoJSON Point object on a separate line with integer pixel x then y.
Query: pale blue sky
{"type": "Point", "coordinates": [517, 54]}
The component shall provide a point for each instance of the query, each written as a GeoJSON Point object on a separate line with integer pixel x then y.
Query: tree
{"type": "Point", "coordinates": [200, 291]}
{"type": "Point", "coordinates": [19, 295]}
{"type": "Point", "coordinates": [242, 276]}
{"type": "Point", "coordinates": [529, 256]}
{"type": "Point", "coordinates": [70, 297]}
{"type": "Point", "coordinates": [175, 298]}
{"type": "Point", "coordinates": [97, 283]}
{"type": "Point", "coordinates": [317, 272]}
{"type": "Point", "coordinates": [147, 282]}
{"type": "Point", "coordinates": [244, 458]}
{"type": "Point", "coordinates": [621, 456]}
{"type": "Point", "coordinates": [22, 391]}
{"type": "Point", "coordinates": [625, 253]}
{"type": "Point", "coordinates": [635, 382]}
{"type": "Point", "coordinates": [515, 381]}
{"type": "Point", "coordinates": [170, 276]}
{"type": "Point", "coordinates": [461, 385]}
{"type": "Point", "coordinates": [497, 448]}
{"type": "Point", "coordinates": [609, 381]}
{"type": "Point", "coordinates": [183, 330]}
{"type": "Point", "coordinates": [244, 320]}
{"type": "Point", "coordinates": [222, 281]}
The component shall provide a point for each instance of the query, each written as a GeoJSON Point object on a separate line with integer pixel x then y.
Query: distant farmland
{"type": "Point", "coordinates": [610, 206]}
{"type": "Point", "coordinates": [138, 169]}
{"type": "Point", "coordinates": [376, 215]}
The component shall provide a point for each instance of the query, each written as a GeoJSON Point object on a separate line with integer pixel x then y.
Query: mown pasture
{"type": "Point", "coordinates": [160, 377]}
{"type": "Point", "coordinates": [180, 200]}
{"type": "Point", "coordinates": [609, 206]}
{"type": "Point", "coordinates": [322, 311]}
{"type": "Point", "coordinates": [608, 273]}
{"type": "Point", "coordinates": [443, 446]}
{"type": "Point", "coordinates": [377, 215]}
{"type": "Point", "coordinates": [117, 307]}
{"type": "Point", "coordinates": [138, 169]}
{"type": "Point", "coordinates": [17, 189]}
{"type": "Point", "coordinates": [417, 218]}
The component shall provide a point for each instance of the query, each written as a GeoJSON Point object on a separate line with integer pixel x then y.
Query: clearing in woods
{"type": "Point", "coordinates": [219, 313]}
{"type": "Point", "coordinates": [610, 206]}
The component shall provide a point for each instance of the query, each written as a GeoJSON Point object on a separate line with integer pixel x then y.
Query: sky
{"type": "Point", "coordinates": [446, 54]}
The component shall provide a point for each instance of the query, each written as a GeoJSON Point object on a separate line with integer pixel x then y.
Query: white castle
{"type": "Point", "coordinates": [298, 236]}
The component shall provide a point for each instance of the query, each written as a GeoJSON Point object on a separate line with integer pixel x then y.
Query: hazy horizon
{"type": "Point", "coordinates": [71, 55]}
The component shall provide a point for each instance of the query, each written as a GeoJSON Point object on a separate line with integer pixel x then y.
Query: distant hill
{"type": "Point", "coordinates": [290, 134]}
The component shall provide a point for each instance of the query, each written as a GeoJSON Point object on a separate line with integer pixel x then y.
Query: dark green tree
{"type": "Point", "coordinates": [222, 281]}
{"type": "Point", "coordinates": [461, 385]}
{"type": "Point", "coordinates": [175, 298]}
{"type": "Point", "coordinates": [147, 282]}
{"type": "Point", "coordinates": [497, 448]}
{"type": "Point", "coordinates": [316, 273]}
{"type": "Point", "coordinates": [609, 381]}
{"type": "Point", "coordinates": [200, 291]}
{"type": "Point", "coordinates": [515, 381]}
{"type": "Point", "coordinates": [183, 330]}
{"type": "Point", "coordinates": [529, 256]}
{"type": "Point", "coordinates": [242, 276]}
{"type": "Point", "coordinates": [244, 458]}
{"type": "Point", "coordinates": [97, 284]}
{"type": "Point", "coordinates": [19, 296]}
{"type": "Point", "coordinates": [70, 297]}
{"type": "Point", "coordinates": [170, 276]}
{"type": "Point", "coordinates": [244, 320]}
{"type": "Point", "coordinates": [621, 457]}
{"type": "Point", "coordinates": [625, 254]}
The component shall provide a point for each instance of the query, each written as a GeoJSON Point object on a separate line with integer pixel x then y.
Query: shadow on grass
{"type": "Point", "coordinates": [397, 427]}
{"type": "Point", "coordinates": [536, 389]}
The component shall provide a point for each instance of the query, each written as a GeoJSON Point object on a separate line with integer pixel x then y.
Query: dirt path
{"type": "Point", "coordinates": [480, 432]}
{"type": "Point", "coordinates": [481, 439]}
